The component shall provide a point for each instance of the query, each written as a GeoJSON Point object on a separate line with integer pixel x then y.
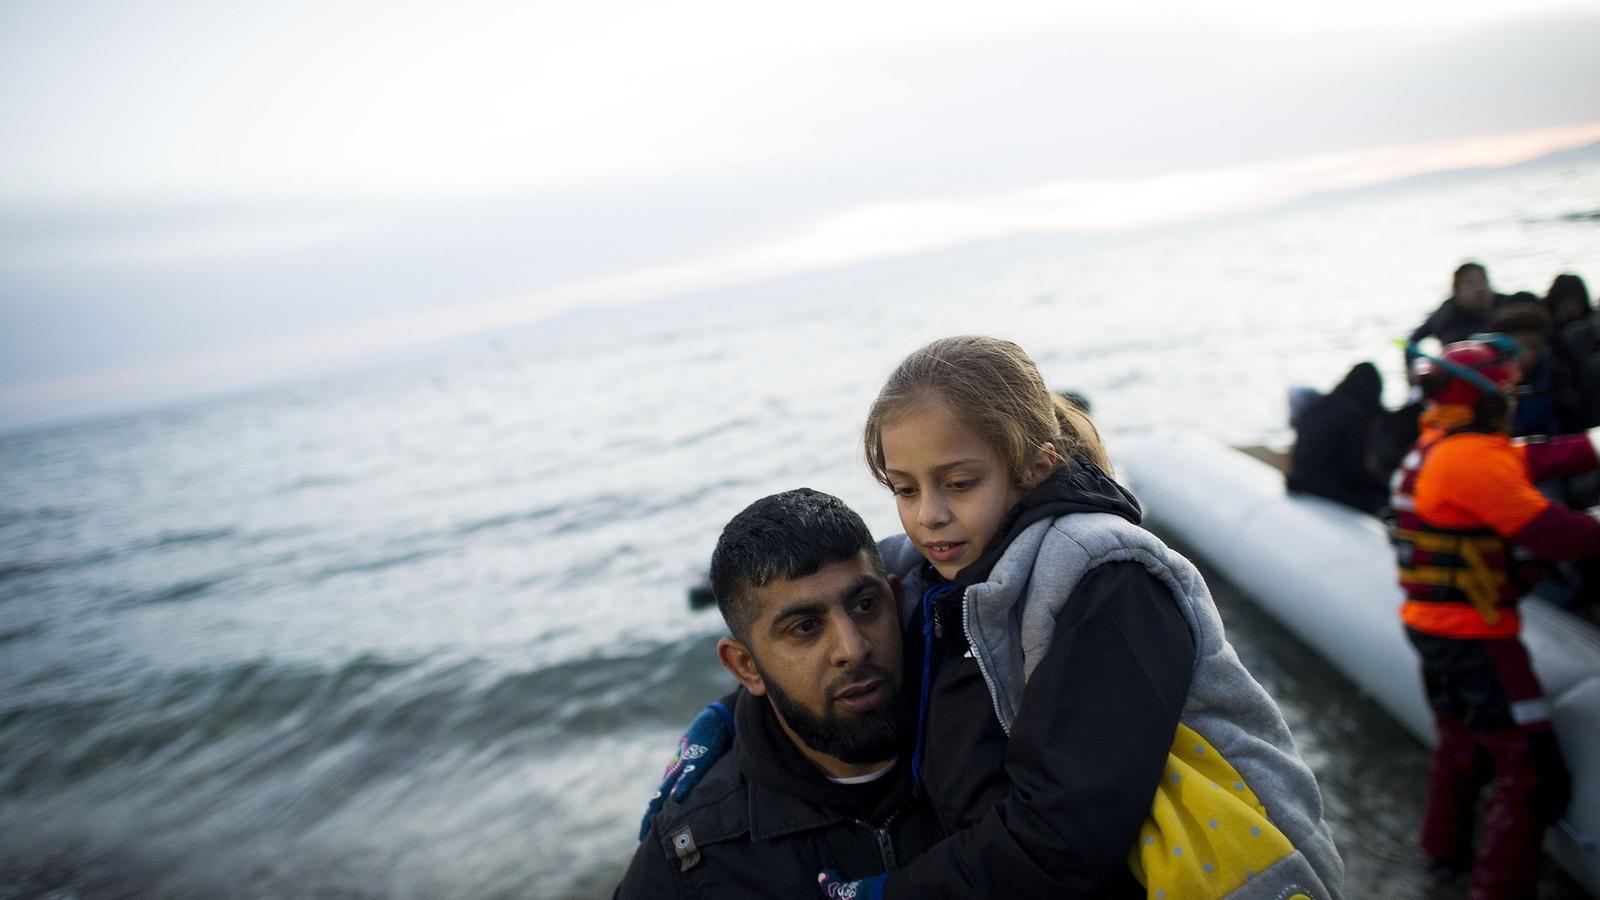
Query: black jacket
{"type": "Point", "coordinates": [1450, 323]}
{"type": "Point", "coordinates": [1579, 345]}
{"type": "Point", "coordinates": [1103, 702]}
{"type": "Point", "coordinates": [763, 822]}
{"type": "Point", "coordinates": [1333, 448]}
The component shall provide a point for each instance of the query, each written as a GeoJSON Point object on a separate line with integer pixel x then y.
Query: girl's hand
{"type": "Point", "coordinates": [834, 888]}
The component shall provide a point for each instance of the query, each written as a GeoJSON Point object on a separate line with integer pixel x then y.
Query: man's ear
{"type": "Point", "coordinates": [736, 658]}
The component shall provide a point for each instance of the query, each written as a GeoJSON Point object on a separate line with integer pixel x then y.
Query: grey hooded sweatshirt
{"type": "Point", "coordinates": [1009, 619]}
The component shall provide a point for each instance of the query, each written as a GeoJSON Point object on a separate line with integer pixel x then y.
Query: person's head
{"type": "Point", "coordinates": [1568, 299]}
{"type": "Point", "coordinates": [1476, 377]}
{"type": "Point", "coordinates": [816, 626]}
{"type": "Point", "coordinates": [960, 431]}
{"type": "Point", "coordinates": [1529, 323]}
{"type": "Point", "coordinates": [1470, 287]}
{"type": "Point", "coordinates": [1362, 384]}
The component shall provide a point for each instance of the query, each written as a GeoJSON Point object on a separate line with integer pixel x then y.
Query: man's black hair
{"type": "Point", "coordinates": [785, 536]}
{"type": "Point", "coordinates": [1466, 267]}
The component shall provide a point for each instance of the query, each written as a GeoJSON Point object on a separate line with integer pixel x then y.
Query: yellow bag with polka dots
{"type": "Point", "coordinates": [1207, 834]}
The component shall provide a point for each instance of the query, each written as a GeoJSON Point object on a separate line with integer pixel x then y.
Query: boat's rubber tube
{"type": "Point", "coordinates": [1327, 573]}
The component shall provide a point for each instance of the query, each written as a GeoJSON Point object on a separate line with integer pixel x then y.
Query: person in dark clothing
{"type": "Point", "coordinates": [816, 777]}
{"type": "Point", "coordinates": [1577, 341]}
{"type": "Point", "coordinates": [1068, 659]}
{"type": "Point", "coordinates": [1470, 531]}
{"type": "Point", "coordinates": [1333, 449]}
{"type": "Point", "coordinates": [1568, 300]}
{"type": "Point", "coordinates": [1064, 649]}
{"type": "Point", "coordinates": [1548, 397]}
{"type": "Point", "coordinates": [1466, 311]}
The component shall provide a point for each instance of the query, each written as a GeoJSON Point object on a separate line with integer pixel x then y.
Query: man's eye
{"type": "Point", "coordinates": [866, 604]}
{"type": "Point", "coordinates": [805, 627]}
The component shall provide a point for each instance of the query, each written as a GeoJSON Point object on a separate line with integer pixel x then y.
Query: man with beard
{"type": "Point", "coordinates": [817, 776]}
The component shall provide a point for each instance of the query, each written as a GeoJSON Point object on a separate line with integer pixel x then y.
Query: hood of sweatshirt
{"type": "Point", "coordinates": [1077, 487]}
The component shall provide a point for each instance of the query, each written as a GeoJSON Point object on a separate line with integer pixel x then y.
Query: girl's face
{"type": "Point", "coordinates": [950, 486]}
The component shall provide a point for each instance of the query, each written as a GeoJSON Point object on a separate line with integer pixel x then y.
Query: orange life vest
{"type": "Point", "coordinates": [1456, 496]}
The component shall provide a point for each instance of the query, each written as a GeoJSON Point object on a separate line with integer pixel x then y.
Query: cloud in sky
{"type": "Point", "coordinates": [850, 236]}
{"type": "Point", "coordinates": [384, 97]}
{"type": "Point", "coordinates": [230, 193]}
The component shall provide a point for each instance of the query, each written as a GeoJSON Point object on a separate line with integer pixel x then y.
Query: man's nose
{"type": "Point", "coordinates": [850, 646]}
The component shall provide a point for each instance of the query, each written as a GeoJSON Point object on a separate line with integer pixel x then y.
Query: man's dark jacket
{"type": "Point", "coordinates": [763, 822]}
{"type": "Point", "coordinates": [1451, 322]}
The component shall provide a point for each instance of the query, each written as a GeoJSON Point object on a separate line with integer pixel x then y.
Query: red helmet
{"type": "Point", "coordinates": [1467, 371]}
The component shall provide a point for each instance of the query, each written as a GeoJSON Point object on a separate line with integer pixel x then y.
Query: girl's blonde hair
{"type": "Point", "coordinates": [995, 390]}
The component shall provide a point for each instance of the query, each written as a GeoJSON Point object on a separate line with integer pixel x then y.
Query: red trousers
{"type": "Point", "coordinates": [1478, 690]}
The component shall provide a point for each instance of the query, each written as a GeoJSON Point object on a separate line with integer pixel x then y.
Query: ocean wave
{"type": "Point", "coordinates": [504, 520]}
{"type": "Point", "coordinates": [180, 538]}
{"type": "Point", "coordinates": [23, 569]}
{"type": "Point", "coordinates": [16, 634]}
{"type": "Point", "coordinates": [14, 516]}
{"type": "Point", "coordinates": [702, 435]}
{"type": "Point", "coordinates": [371, 565]}
{"type": "Point", "coordinates": [310, 482]}
{"type": "Point", "coordinates": [179, 592]}
{"type": "Point", "coordinates": [177, 716]}
{"type": "Point", "coordinates": [256, 719]}
{"type": "Point", "coordinates": [9, 571]}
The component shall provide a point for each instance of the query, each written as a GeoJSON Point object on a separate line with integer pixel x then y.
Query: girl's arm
{"type": "Point", "coordinates": [1084, 756]}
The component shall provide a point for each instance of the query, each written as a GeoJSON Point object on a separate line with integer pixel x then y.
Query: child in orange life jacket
{"type": "Point", "coordinates": [1063, 647]}
{"type": "Point", "coordinates": [1469, 530]}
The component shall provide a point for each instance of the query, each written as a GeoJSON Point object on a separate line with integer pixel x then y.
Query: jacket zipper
{"type": "Point", "coordinates": [885, 843]}
{"type": "Point", "coordinates": [966, 629]}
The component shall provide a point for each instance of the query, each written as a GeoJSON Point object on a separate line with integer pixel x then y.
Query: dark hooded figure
{"type": "Point", "coordinates": [1577, 341]}
{"type": "Point", "coordinates": [1333, 443]}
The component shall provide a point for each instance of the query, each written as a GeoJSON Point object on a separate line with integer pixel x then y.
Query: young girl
{"type": "Point", "coordinates": [1084, 728]}
{"type": "Point", "coordinates": [1063, 647]}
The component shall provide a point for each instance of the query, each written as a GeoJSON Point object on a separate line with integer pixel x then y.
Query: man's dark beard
{"type": "Point", "coordinates": [857, 739]}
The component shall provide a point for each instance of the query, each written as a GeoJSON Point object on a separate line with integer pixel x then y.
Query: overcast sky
{"type": "Point", "coordinates": [234, 192]}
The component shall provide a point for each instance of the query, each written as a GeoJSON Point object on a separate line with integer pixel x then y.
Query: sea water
{"type": "Point", "coordinates": [421, 631]}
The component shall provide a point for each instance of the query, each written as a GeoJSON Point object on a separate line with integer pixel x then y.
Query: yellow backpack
{"type": "Point", "coordinates": [1207, 834]}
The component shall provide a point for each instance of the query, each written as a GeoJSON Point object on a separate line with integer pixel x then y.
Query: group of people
{"type": "Point", "coordinates": [1559, 336]}
{"type": "Point", "coordinates": [1348, 446]}
{"type": "Point", "coordinates": [1025, 694]}
{"type": "Point", "coordinates": [1502, 458]}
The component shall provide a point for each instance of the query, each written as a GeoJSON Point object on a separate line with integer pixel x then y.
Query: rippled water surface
{"type": "Point", "coordinates": [421, 632]}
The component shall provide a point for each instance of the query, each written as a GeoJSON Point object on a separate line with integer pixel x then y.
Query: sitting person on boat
{"type": "Point", "coordinates": [1466, 311]}
{"type": "Point", "coordinates": [1548, 401]}
{"type": "Point", "coordinates": [1469, 532]}
{"type": "Point", "coordinates": [1578, 339]}
{"type": "Point", "coordinates": [1332, 455]}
